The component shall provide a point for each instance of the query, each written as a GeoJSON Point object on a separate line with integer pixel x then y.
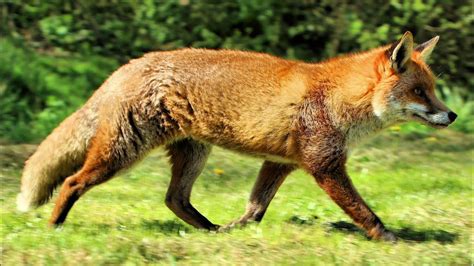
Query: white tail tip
{"type": "Point", "coordinates": [22, 204]}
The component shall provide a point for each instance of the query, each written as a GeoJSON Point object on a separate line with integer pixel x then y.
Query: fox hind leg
{"type": "Point", "coordinates": [188, 158]}
{"type": "Point", "coordinates": [270, 177]}
{"type": "Point", "coordinates": [74, 187]}
{"type": "Point", "coordinates": [109, 152]}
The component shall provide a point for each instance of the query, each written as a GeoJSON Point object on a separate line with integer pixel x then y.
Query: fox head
{"type": "Point", "coordinates": [406, 91]}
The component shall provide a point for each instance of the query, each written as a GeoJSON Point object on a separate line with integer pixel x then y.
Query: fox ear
{"type": "Point", "coordinates": [400, 52]}
{"type": "Point", "coordinates": [426, 48]}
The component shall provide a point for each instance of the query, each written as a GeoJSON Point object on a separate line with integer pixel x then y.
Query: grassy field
{"type": "Point", "coordinates": [419, 185]}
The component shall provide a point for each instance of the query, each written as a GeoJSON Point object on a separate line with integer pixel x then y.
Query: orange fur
{"type": "Point", "coordinates": [292, 114]}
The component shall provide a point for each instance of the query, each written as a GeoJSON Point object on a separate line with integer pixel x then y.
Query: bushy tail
{"type": "Point", "coordinates": [58, 156]}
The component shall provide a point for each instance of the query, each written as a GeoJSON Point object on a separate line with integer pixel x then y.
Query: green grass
{"type": "Point", "coordinates": [420, 186]}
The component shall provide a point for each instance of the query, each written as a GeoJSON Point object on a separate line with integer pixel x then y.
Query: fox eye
{"type": "Point", "coordinates": [418, 91]}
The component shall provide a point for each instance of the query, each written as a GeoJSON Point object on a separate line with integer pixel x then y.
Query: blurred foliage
{"type": "Point", "coordinates": [55, 53]}
{"type": "Point", "coordinates": [37, 91]}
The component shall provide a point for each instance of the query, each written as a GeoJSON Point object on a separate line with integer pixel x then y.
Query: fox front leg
{"type": "Point", "coordinates": [325, 159]}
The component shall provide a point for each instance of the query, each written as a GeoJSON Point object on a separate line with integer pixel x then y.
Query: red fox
{"type": "Point", "coordinates": [290, 113]}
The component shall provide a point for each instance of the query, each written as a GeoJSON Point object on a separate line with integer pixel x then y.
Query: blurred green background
{"type": "Point", "coordinates": [54, 54]}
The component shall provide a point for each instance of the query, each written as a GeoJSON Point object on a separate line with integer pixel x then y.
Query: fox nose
{"type": "Point", "coordinates": [452, 116]}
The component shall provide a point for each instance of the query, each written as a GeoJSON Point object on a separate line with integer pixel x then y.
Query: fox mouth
{"type": "Point", "coordinates": [428, 122]}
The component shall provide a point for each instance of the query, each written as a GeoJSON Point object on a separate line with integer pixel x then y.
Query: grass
{"type": "Point", "coordinates": [419, 184]}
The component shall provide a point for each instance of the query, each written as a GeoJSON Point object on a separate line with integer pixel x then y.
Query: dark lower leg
{"type": "Point", "coordinates": [340, 189]}
{"type": "Point", "coordinates": [188, 158]}
{"type": "Point", "coordinates": [270, 178]}
{"type": "Point", "coordinates": [185, 211]}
